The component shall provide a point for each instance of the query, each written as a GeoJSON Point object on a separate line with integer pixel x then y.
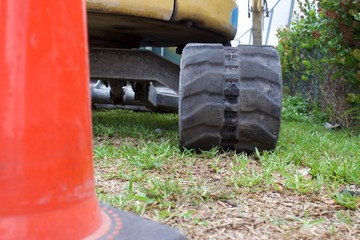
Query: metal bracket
{"type": "Point", "coordinates": [133, 65]}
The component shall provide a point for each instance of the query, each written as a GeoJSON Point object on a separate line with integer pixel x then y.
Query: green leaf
{"type": "Point", "coordinates": [356, 54]}
{"type": "Point", "coordinates": [357, 16]}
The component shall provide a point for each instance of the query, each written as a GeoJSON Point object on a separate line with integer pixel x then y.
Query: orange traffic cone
{"type": "Point", "coordinates": [46, 169]}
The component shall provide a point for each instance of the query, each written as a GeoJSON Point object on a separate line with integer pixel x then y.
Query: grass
{"type": "Point", "coordinates": [292, 192]}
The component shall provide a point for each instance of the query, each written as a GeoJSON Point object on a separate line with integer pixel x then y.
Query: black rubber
{"type": "Point", "coordinates": [230, 97]}
{"type": "Point", "coordinates": [128, 226]}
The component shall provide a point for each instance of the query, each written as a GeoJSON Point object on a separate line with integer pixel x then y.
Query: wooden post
{"type": "Point", "coordinates": [257, 19]}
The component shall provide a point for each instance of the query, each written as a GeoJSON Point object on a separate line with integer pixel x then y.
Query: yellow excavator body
{"type": "Point", "coordinates": [134, 23]}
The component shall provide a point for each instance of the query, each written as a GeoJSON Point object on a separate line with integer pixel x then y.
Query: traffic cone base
{"type": "Point", "coordinates": [120, 225]}
{"type": "Point", "coordinates": [110, 227]}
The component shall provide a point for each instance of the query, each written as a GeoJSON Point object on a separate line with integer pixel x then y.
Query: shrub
{"type": "Point", "coordinates": [297, 109]}
{"type": "Point", "coordinates": [320, 56]}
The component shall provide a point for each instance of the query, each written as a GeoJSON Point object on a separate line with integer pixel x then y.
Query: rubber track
{"type": "Point", "coordinates": [229, 97]}
{"type": "Point", "coordinates": [200, 106]}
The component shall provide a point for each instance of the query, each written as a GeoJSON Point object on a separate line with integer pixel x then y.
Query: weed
{"type": "Point", "coordinates": [344, 217]}
{"type": "Point", "coordinates": [306, 221]}
{"type": "Point", "coordinates": [347, 200]}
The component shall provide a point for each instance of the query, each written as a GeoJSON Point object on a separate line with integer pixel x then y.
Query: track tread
{"type": "Point", "coordinates": [198, 116]}
{"type": "Point", "coordinates": [235, 104]}
{"type": "Point", "coordinates": [196, 86]}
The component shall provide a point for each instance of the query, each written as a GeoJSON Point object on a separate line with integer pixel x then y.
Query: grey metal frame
{"type": "Point", "coordinates": [133, 65]}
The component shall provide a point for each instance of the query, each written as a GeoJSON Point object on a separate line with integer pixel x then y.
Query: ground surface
{"type": "Point", "coordinates": [292, 193]}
